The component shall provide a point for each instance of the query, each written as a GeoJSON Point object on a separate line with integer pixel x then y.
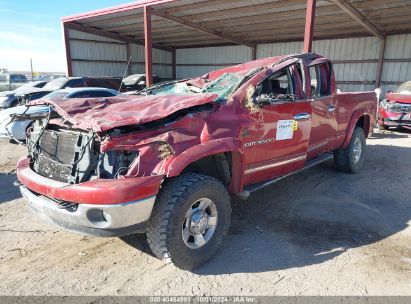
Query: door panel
{"type": "Point", "coordinates": [266, 156]}
{"type": "Point", "coordinates": [324, 106]}
{"type": "Point", "coordinates": [324, 124]}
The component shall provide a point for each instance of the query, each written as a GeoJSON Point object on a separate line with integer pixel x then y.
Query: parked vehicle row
{"type": "Point", "coordinates": [14, 122]}
{"type": "Point", "coordinates": [164, 160]}
{"type": "Point", "coordinates": [9, 99]}
{"type": "Point", "coordinates": [38, 89]}
{"type": "Point", "coordinates": [9, 82]}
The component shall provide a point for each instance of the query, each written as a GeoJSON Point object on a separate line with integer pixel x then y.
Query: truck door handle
{"type": "Point", "coordinates": [302, 116]}
{"type": "Point", "coordinates": [331, 108]}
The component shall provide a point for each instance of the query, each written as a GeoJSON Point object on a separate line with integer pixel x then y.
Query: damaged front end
{"type": "Point", "coordinates": [73, 156]}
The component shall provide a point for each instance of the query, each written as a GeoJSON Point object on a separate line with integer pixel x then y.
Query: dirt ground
{"type": "Point", "coordinates": [316, 233]}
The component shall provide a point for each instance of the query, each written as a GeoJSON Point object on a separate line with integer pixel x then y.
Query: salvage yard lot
{"type": "Point", "coordinates": [319, 232]}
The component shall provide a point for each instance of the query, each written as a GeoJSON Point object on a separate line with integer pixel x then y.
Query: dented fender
{"type": "Point", "coordinates": [195, 153]}
{"type": "Point", "coordinates": [353, 122]}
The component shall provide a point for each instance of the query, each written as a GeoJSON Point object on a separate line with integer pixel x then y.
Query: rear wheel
{"type": "Point", "coordinates": [351, 158]}
{"type": "Point", "coordinates": [190, 220]}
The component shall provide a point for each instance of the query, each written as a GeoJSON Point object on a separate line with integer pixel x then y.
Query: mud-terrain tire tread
{"type": "Point", "coordinates": [173, 195]}
{"type": "Point", "coordinates": [343, 158]}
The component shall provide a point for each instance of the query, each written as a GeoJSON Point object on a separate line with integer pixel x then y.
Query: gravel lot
{"type": "Point", "coordinates": [316, 233]}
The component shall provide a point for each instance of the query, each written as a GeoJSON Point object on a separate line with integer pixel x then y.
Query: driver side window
{"type": "Point", "coordinates": [278, 87]}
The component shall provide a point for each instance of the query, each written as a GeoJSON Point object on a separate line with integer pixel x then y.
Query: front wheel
{"type": "Point", "coordinates": [351, 158]}
{"type": "Point", "coordinates": [190, 220]}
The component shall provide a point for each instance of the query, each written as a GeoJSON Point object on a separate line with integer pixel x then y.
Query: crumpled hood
{"type": "Point", "coordinates": [398, 97]}
{"type": "Point", "coordinates": [102, 114]}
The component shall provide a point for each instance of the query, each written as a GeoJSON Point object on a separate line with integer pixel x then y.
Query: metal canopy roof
{"type": "Point", "coordinates": [190, 23]}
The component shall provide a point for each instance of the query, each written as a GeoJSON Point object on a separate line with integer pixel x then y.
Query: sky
{"type": "Point", "coordinates": [32, 30]}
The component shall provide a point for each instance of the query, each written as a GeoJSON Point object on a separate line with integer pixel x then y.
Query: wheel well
{"type": "Point", "coordinates": [217, 166]}
{"type": "Point", "coordinates": [364, 123]}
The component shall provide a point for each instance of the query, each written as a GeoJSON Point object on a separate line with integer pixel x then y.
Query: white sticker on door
{"type": "Point", "coordinates": [285, 129]}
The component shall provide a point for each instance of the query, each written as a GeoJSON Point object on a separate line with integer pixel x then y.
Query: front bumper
{"type": "Point", "coordinates": [97, 220]}
{"type": "Point", "coordinates": [99, 207]}
{"type": "Point", "coordinates": [393, 119]}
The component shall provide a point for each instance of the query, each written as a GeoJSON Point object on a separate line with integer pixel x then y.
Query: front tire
{"type": "Point", "coordinates": [351, 158]}
{"type": "Point", "coordinates": [190, 220]}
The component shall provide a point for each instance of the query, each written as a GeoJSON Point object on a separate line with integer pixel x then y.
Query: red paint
{"type": "Point", "coordinates": [99, 192]}
{"type": "Point", "coordinates": [227, 127]}
{"type": "Point", "coordinates": [148, 52]}
{"type": "Point", "coordinates": [309, 25]}
{"type": "Point", "coordinates": [104, 114]}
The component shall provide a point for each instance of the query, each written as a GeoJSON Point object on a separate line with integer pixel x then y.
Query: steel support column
{"type": "Point", "coordinates": [309, 25]}
{"type": "Point", "coordinates": [174, 64]}
{"type": "Point", "coordinates": [69, 66]}
{"type": "Point", "coordinates": [380, 63]}
{"type": "Point", "coordinates": [148, 45]}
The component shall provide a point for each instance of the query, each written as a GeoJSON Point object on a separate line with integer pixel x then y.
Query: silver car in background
{"type": "Point", "coordinates": [15, 121]}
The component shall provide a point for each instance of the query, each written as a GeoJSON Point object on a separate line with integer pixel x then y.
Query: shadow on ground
{"type": "Point", "coordinates": [315, 216]}
{"type": "Point", "coordinates": [8, 192]}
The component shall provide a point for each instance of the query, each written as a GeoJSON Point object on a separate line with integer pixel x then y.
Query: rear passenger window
{"type": "Point", "coordinates": [320, 80]}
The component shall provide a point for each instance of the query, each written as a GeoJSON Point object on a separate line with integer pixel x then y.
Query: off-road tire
{"type": "Point", "coordinates": [164, 229]}
{"type": "Point", "coordinates": [344, 158]}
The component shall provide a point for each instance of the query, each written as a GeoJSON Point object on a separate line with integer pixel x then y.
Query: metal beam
{"type": "Point", "coordinates": [103, 33]}
{"type": "Point", "coordinates": [174, 62]}
{"type": "Point", "coordinates": [380, 63]}
{"type": "Point", "coordinates": [201, 28]}
{"type": "Point", "coordinates": [309, 25]}
{"type": "Point", "coordinates": [69, 65]}
{"type": "Point", "coordinates": [359, 17]}
{"type": "Point", "coordinates": [148, 45]}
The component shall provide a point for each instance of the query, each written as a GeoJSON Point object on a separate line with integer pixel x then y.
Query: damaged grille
{"type": "Point", "coordinates": [65, 156]}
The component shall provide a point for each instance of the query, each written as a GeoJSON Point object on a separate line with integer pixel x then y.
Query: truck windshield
{"type": "Point", "coordinates": [222, 86]}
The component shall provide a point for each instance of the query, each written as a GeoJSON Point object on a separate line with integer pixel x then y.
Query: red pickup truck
{"type": "Point", "coordinates": [165, 161]}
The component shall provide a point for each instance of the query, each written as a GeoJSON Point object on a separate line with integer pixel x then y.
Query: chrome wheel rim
{"type": "Point", "coordinates": [200, 223]}
{"type": "Point", "coordinates": [357, 150]}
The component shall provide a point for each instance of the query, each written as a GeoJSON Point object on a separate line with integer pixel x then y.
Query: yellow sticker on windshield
{"type": "Point", "coordinates": [295, 125]}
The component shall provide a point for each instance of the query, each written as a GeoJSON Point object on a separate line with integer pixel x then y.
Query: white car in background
{"type": "Point", "coordinates": [15, 129]}
{"type": "Point", "coordinates": [9, 99]}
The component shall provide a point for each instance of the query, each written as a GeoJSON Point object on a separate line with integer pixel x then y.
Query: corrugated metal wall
{"type": "Point", "coordinates": [94, 55]}
{"type": "Point", "coordinates": [397, 61]}
{"type": "Point", "coordinates": [198, 61]}
{"type": "Point", "coordinates": [355, 59]}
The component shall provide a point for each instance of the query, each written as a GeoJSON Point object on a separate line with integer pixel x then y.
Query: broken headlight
{"type": "Point", "coordinates": [112, 164]}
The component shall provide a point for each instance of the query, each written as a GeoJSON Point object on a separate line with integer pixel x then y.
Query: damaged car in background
{"type": "Point", "coordinates": [165, 161]}
{"type": "Point", "coordinates": [15, 122]}
{"type": "Point", "coordinates": [395, 109]}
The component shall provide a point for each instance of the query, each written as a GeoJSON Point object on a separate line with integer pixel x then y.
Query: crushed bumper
{"type": "Point", "coordinates": [99, 220]}
{"type": "Point", "coordinates": [393, 119]}
{"type": "Point", "coordinates": [100, 207]}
